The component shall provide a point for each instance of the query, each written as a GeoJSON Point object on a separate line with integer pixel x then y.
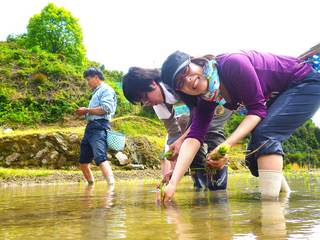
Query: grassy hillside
{"type": "Point", "coordinates": [40, 87]}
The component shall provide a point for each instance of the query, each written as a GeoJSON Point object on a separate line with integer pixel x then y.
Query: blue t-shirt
{"type": "Point", "coordinates": [105, 97]}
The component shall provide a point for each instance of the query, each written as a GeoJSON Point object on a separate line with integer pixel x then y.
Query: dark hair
{"type": "Point", "coordinates": [93, 71]}
{"type": "Point", "coordinates": [137, 82]}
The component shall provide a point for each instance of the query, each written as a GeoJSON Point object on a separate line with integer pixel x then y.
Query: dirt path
{"type": "Point", "coordinates": [75, 177]}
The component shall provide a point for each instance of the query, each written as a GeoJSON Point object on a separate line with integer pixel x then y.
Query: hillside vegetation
{"type": "Point", "coordinates": [41, 83]}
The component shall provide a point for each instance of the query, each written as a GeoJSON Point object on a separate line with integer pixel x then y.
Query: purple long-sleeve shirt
{"type": "Point", "coordinates": [250, 78]}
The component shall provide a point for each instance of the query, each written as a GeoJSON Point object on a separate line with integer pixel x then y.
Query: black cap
{"type": "Point", "coordinates": [172, 66]}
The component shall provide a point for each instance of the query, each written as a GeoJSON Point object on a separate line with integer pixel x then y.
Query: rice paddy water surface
{"type": "Point", "coordinates": [132, 212]}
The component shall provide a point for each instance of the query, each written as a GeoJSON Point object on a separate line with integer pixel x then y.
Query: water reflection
{"type": "Point", "coordinates": [184, 228]}
{"type": "Point", "coordinates": [273, 221]}
{"type": "Point", "coordinates": [98, 219]}
{"type": "Point", "coordinates": [212, 216]}
{"type": "Point", "coordinates": [94, 212]}
{"type": "Point", "coordinates": [206, 216]}
{"type": "Point", "coordinates": [106, 200]}
{"type": "Point", "coordinates": [218, 224]}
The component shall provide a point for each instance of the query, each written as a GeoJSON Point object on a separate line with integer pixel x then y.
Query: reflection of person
{"type": "Point", "coordinates": [247, 79]}
{"type": "Point", "coordinates": [88, 194]}
{"type": "Point", "coordinates": [97, 214]}
{"type": "Point", "coordinates": [184, 229]}
{"type": "Point", "coordinates": [101, 108]}
{"type": "Point", "coordinates": [273, 222]}
{"type": "Point", "coordinates": [107, 199]}
{"type": "Point", "coordinates": [143, 85]}
{"type": "Point", "coordinates": [193, 223]}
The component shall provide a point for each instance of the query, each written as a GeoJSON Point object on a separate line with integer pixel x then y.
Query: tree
{"type": "Point", "coordinates": [57, 31]}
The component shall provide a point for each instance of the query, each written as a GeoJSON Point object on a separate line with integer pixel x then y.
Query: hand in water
{"type": "Point", "coordinates": [168, 192]}
{"type": "Point", "coordinates": [165, 180]}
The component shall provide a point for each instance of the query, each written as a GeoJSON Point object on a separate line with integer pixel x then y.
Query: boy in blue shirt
{"type": "Point", "coordinates": [102, 107]}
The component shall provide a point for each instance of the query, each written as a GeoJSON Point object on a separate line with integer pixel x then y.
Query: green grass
{"type": "Point", "coordinates": [6, 173]}
{"type": "Point", "coordinates": [43, 130]}
{"type": "Point", "coordinates": [129, 125]}
{"type": "Point", "coordinates": [139, 126]}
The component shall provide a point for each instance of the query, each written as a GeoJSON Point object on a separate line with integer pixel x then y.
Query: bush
{"type": "Point", "coordinates": [57, 31]}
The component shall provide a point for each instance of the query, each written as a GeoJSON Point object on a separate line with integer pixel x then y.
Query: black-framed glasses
{"type": "Point", "coordinates": [181, 77]}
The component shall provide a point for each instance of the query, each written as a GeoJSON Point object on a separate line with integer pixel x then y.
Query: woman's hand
{"type": "Point", "coordinates": [167, 177]}
{"type": "Point", "coordinates": [188, 149]}
{"type": "Point", "coordinates": [217, 158]}
{"type": "Point", "coordinates": [175, 148]}
{"type": "Point", "coordinates": [217, 164]}
{"type": "Point", "coordinates": [169, 191]}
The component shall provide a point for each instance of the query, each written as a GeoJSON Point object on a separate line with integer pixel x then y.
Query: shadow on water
{"type": "Point", "coordinates": [131, 211]}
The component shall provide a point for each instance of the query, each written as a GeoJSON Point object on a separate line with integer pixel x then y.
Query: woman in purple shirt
{"type": "Point", "coordinates": [244, 80]}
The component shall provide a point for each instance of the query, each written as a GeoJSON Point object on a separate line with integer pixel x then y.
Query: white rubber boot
{"type": "Point", "coordinates": [270, 183]}
{"type": "Point", "coordinates": [285, 186]}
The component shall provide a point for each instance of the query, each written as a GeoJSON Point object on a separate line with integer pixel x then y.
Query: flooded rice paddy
{"type": "Point", "coordinates": [132, 212]}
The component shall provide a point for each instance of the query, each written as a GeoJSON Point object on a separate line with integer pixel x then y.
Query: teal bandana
{"type": "Point", "coordinates": [211, 73]}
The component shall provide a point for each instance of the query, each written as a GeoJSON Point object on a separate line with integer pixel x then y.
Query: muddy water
{"type": "Point", "coordinates": [132, 212]}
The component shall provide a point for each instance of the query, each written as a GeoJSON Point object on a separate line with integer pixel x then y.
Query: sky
{"type": "Point", "coordinates": [125, 33]}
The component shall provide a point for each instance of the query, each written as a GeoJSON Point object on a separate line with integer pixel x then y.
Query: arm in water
{"type": "Point", "coordinates": [187, 152]}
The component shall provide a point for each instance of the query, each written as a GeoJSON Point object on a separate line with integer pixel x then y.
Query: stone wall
{"type": "Point", "coordinates": [60, 150]}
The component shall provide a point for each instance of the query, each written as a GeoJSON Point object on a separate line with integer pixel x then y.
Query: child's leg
{"type": "Point", "coordinates": [85, 168]}
{"type": "Point", "coordinates": [107, 172]}
{"type": "Point", "coordinates": [86, 157]}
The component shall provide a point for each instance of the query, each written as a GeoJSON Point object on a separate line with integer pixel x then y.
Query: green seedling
{"type": "Point", "coordinates": [216, 154]}
{"type": "Point", "coordinates": [168, 154]}
{"type": "Point", "coordinates": [220, 152]}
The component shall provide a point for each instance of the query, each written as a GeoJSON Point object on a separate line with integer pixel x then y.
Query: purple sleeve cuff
{"type": "Point", "coordinates": [201, 118]}
{"type": "Point", "coordinates": [258, 113]}
{"type": "Point", "coordinates": [258, 109]}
